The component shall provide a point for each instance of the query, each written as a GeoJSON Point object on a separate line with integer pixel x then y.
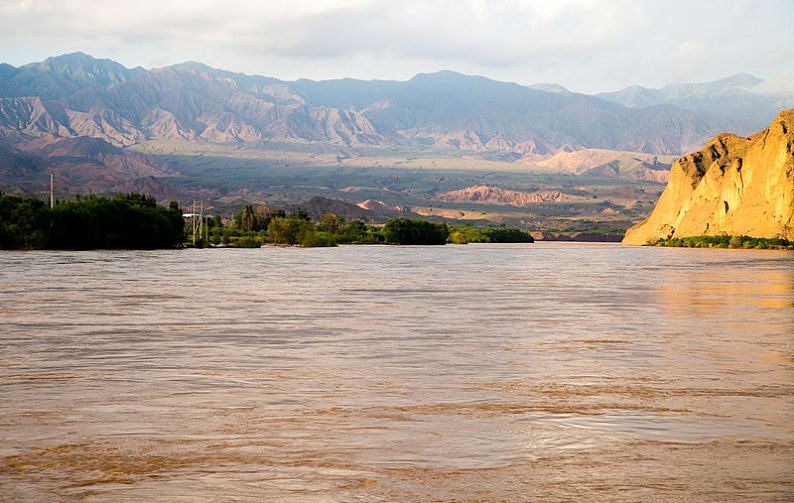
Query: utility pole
{"type": "Point", "coordinates": [201, 222]}
{"type": "Point", "coordinates": [194, 222]}
{"type": "Point", "coordinates": [52, 191]}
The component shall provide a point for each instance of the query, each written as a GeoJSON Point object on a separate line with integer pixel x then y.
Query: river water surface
{"type": "Point", "coordinates": [543, 372]}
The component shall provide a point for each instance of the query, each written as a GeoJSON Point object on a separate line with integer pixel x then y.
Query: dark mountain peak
{"type": "Point", "coordinates": [240, 78]}
{"type": "Point", "coordinates": [72, 58]}
{"type": "Point", "coordinates": [77, 63]}
{"type": "Point", "coordinates": [345, 81]}
{"type": "Point", "coordinates": [257, 85]}
{"type": "Point", "coordinates": [446, 74]}
{"type": "Point", "coordinates": [194, 66]}
{"type": "Point", "coordinates": [447, 77]}
{"type": "Point", "coordinates": [452, 83]}
{"type": "Point", "coordinates": [7, 71]}
{"type": "Point", "coordinates": [58, 77]}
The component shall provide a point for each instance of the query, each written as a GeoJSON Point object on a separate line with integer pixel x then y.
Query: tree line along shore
{"type": "Point", "coordinates": [135, 221]}
{"type": "Point", "coordinates": [726, 241]}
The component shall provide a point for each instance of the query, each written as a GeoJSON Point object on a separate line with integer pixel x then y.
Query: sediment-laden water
{"type": "Point", "coordinates": [546, 372]}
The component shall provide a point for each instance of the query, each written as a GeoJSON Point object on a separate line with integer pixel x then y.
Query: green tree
{"type": "Point", "coordinates": [263, 215]}
{"type": "Point", "coordinates": [313, 239]}
{"type": "Point", "coordinates": [247, 218]}
{"type": "Point", "coordinates": [286, 231]}
{"type": "Point", "coordinates": [404, 231]}
{"type": "Point", "coordinates": [25, 223]}
{"type": "Point", "coordinates": [135, 199]}
{"type": "Point", "coordinates": [299, 214]}
{"type": "Point", "coordinates": [330, 222]}
{"type": "Point", "coordinates": [126, 221]}
{"type": "Point", "coordinates": [507, 235]}
{"type": "Point", "coordinates": [355, 231]}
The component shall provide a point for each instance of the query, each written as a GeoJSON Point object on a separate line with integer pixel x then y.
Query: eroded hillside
{"type": "Point", "coordinates": [735, 186]}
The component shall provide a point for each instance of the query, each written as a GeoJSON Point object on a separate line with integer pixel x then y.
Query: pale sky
{"type": "Point", "coordinates": [586, 45]}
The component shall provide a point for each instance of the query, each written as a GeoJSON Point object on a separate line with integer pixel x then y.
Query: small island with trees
{"type": "Point", "coordinates": [135, 221]}
{"type": "Point", "coordinates": [254, 227]}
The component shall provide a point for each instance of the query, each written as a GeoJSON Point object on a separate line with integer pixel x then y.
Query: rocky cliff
{"type": "Point", "coordinates": [734, 186]}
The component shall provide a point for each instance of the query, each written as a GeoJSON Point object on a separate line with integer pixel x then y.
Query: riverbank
{"type": "Point", "coordinates": [745, 242]}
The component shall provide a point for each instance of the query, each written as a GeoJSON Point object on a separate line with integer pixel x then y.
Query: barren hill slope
{"type": "Point", "coordinates": [735, 186]}
{"type": "Point", "coordinates": [631, 165]}
{"type": "Point", "coordinates": [484, 194]}
{"type": "Point", "coordinates": [82, 165]}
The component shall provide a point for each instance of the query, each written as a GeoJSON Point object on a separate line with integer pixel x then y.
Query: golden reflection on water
{"type": "Point", "coordinates": [688, 293]}
{"type": "Point", "coordinates": [741, 303]}
{"type": "Point", "coordinates": [478, 373]}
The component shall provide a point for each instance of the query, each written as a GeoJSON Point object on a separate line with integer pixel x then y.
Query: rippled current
{"type": "Point", "coordinates": [544, 372]}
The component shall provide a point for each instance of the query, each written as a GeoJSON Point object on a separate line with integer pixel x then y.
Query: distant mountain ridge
{"type": "Point", "coordinates": [733, 96]}
{"type": "Point", "coordinates": [638, 96]}
{"type": "Point", "coordinates": [76, 95]}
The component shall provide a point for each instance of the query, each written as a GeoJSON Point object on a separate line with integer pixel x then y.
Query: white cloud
{"type": "Point", "coordinates": [587, 45]}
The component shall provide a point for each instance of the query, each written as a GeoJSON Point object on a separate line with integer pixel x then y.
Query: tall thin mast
{"type": "Point", "coordinates": [206, 229]}
{"type": "Point", "coordinates": [201, 222]}
{"type": "Point", "coordinates": [52, 191]}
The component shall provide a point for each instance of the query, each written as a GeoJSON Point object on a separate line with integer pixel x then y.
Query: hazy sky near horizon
{"type": "Point", "coordinates": [586, 45]}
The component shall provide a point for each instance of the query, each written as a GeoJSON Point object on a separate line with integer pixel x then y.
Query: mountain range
{"type": "Point", "coordinates": [88, 120]}
{"type": "Point", "coordinates": [77, 95]}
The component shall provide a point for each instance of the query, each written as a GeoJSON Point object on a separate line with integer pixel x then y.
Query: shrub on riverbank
{"type": "Point", "coordinates": [462, 234]}
{"type": "Point", "coordinates": [405, 231]}
{"type": "Point", "coordinates": [745, 242]}
{"type": "Point", "coordinates": [131, 221]}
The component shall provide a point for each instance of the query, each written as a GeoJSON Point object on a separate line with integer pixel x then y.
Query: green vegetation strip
{"type": "Point", "coordinates": [256, 227]}
{"type": "Point", "coordinates": [745, 242]}
{"type": "Point", "coordinates": [127, 221]}
{"type": "Point", "coordinates": [134, 221]}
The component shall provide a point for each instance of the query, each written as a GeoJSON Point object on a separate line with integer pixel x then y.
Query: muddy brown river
{"type": "Point", "coordinates": [543, 372]}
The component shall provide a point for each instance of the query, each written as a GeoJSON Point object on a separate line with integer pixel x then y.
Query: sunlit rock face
{"type": "Point", "coordinates": [734, 186]}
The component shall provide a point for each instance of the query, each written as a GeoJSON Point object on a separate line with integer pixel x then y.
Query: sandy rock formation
{"type": "Point", "coordinates": [734, 186]}
{"type": "Point", "coordinates": [612, 163]}
{"type": "Point", "coordinates": [484, 194]}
